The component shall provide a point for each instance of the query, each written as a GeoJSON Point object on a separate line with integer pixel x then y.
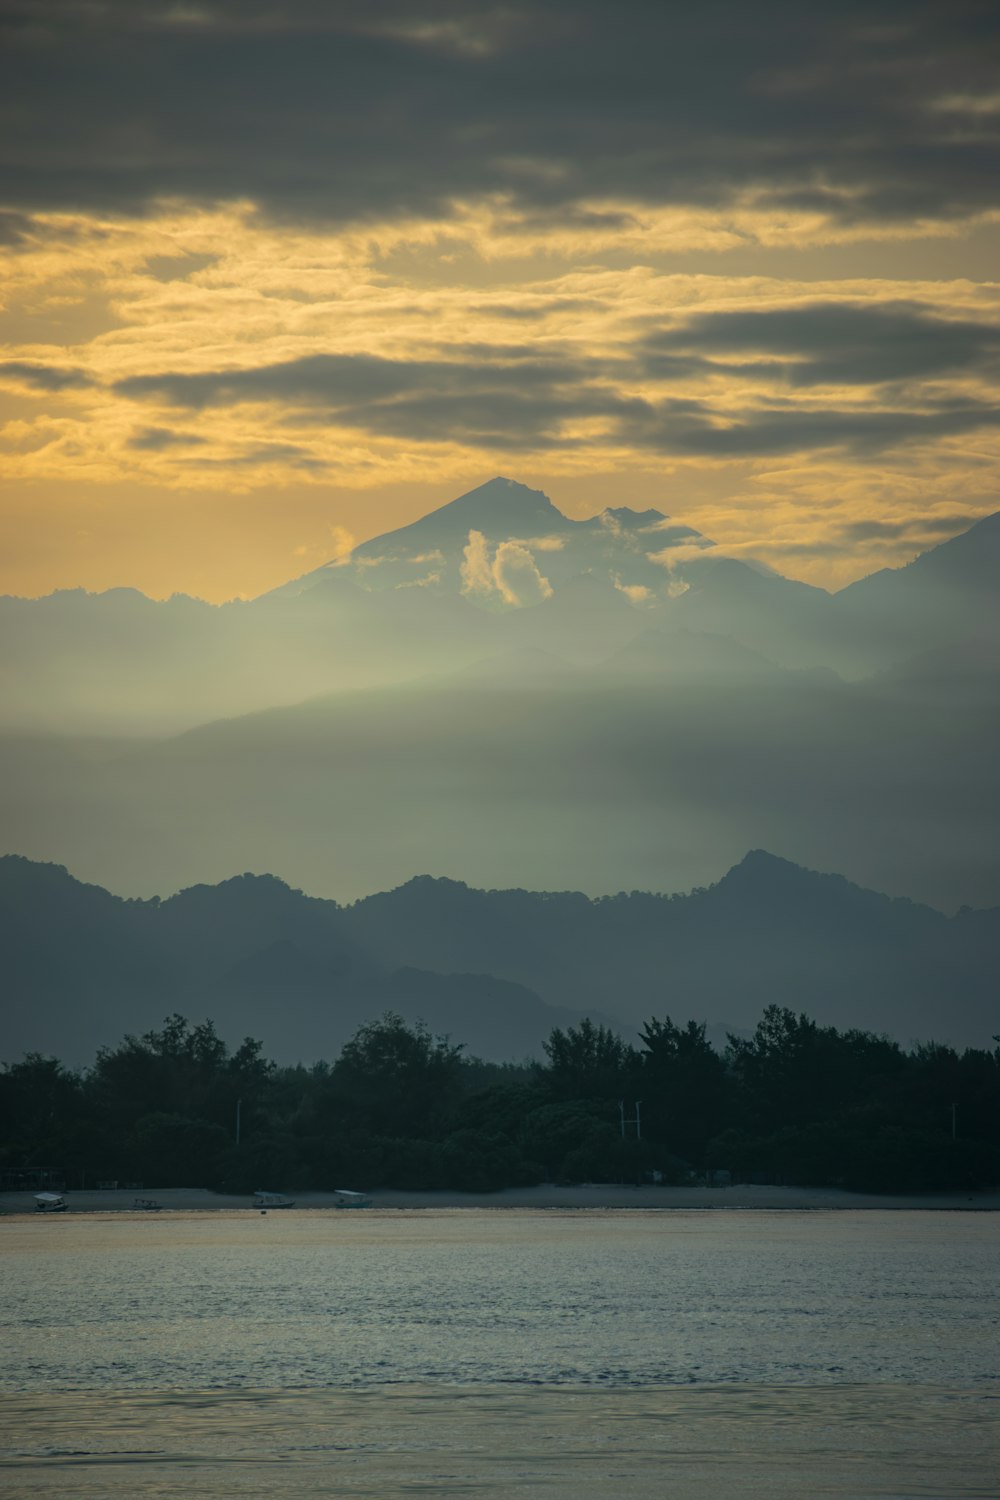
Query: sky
{"type": "Point", "coordinates": [279, 277]}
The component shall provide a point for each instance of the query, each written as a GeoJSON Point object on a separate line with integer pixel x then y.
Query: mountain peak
{"type": "Point", "coordinates": [761, 863]}
{"type": "Point", "coordinates": [503, 502]}
{"type": "Point", "coordinates": [501, 508]}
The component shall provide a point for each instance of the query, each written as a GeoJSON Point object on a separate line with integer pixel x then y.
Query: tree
{"type": "Point", "coordinates": [792, 1072]}
{"type": "Point", "coordinates": [41, 1108]}
{"type": "Point", "coordinates": [181, 1070]}
{"type": "Point", "coordinates": [589, 1062]}
{"type": "Point", "coordinates": [396, 1079]}
{"type": "Point", "coordinates": [554, 1132]}
{"type": "Point", "coordinates": [685, 1089]}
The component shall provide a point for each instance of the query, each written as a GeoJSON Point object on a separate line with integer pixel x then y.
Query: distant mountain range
{"type": "Point", "coordinates": [494, 969]}
{"type": "Point", "coordinates": [506, 694]}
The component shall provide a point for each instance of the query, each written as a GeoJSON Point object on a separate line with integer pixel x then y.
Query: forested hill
{"type": "Point", "coordinates": [497, 969]}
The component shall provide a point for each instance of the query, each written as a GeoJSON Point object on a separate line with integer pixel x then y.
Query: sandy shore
{"type": "Point", "coordinates": [546, 1196]}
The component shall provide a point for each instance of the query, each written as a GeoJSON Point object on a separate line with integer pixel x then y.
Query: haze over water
{"type": "Point", "coordinates": [493, 1353]}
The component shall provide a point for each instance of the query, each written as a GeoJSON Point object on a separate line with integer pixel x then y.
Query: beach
{"type": "Point", "coordinates": [744, 1196]}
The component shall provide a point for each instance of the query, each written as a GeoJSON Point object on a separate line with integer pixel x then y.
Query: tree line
{"type": "Point", "coordinates": [795, 1103]}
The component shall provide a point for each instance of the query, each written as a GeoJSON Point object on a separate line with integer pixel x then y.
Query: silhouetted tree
{"type": "Point", "coordinates": [686, 1090]}
{"type": "Point", "coordinates": [589, 1062]}
{"type": "Point", "coordinates": [397, 1079]}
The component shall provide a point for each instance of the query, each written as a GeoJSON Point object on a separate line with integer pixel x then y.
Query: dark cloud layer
{"type": "Point", "coordinates": [335, 111]}
{"type": "Point", "coordinates": [916, 526]}
{"type": "Point", "coordinates": [50, 378]}
{"type": "Point", "coordinates": [769, 431]}
{"type": "Point", "coordinates": [498, 402]}
{"type": "Point", "coordinates": [828, 343]}
{"type": "Point", "coordinates": [346, 380]}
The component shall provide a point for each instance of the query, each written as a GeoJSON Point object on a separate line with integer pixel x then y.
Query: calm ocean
{"type": "Point", "coordinates": [494, 1353]}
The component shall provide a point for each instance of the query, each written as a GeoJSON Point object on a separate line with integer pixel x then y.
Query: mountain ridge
{"type": "Point", "coordinates": [257, 955]}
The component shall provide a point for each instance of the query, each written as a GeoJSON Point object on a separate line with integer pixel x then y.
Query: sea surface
{"type": "Point", "coordinates": [489, 1353]}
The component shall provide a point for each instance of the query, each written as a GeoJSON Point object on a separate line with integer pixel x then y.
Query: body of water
{"type": "Point", "coordinates": [494, 1353]}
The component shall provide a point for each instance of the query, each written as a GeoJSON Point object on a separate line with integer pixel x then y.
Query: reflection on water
{"type": "Point", "coordinates": [496, 1353]}
{"type": "Point", "coordinates": [488, 1442]}
{"type": "Point", "coordinates": [465, 1297]}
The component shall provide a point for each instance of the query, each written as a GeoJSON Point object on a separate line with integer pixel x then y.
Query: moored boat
{"type": "Point", "coordinates": [262, 1199]}
{"type": "Point", "coordinates": [50, 1203]}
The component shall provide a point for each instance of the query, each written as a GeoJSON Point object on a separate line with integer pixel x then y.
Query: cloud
{"type": "Point", "coordinates": [947, 525]}
{"type": "Point", "coordinates": [638, 593]}
{"type": "Point", "coordinates": [766, 432]}
{"type": "Point", "coordinates": [49, 378]}
{"type": "Point", "coordinates": [868, 531]}
{"type": "Point", "coordinates": [826, 343]}
{"type": "Point", "coordinates": [15, 228]}
{"type": "Point", "coordinates": [509, 571]}
{"type": "Point", "coordinates": [542, 543]}
{"type": "Point", "coordinates": [427, 580]}
{"type": "Point", "coordinates": [517, 577]}
{"type": "Point", "coordinates": [342, 544]}
{"type": "Point", "coordinates": [911, 373]}
{"type": "Point", "coordinates": [534, 310]}
{"type": "Point", "coordinates": [177, 267]}
{"type": "Point", "coordinates": [160, 439]}
{"type": "Point", "coordinates": [674, 559]}
{"type": "Point", "coordinates": [497, 404]}
{"type": "Point", "coordinates": [291, 454]}
{"type": "Point", "coordinates": [339, 113]}
{"type": "Point", "coordinates": [349, 381]}
{"type": "Point", "coordinates": [916, 526]}
{"type": "Point", "coordinates": [476, 568]}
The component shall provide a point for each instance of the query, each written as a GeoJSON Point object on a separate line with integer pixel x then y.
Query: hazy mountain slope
{"type": "Point", "coordinates": [688, 654]}
{"type": "Point", "coordinates": [121, 663]}
{"type": "Point", "coordinates": [536, 778]}
{"type": "Point", "coordinates": [583, 620]}
{"type": "Point", "coordinates": [260, 958]}
{"type": "Point", "coordinates": [944, 596]}
{"type": "Point", "coordinates": [792, 623]}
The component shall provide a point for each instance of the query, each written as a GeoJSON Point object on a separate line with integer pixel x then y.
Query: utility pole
{"type": "Point", "coordinates": [239, 1105]}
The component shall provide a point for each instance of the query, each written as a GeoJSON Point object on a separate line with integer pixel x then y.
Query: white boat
{"type": "Point", "coordinates": [346, 1198]}
{"type": "Point", "coordinates": [50, 1203]}
{"type": "Point", "coordinates": [262, 1199]}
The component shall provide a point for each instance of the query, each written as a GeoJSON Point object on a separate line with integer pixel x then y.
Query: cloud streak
{"type": "Point", "coordinates": [827, 343]}
{"type": "Point", "coordinates": [898, 367]}
{"type": "Point", "coordinates": [51, 379]}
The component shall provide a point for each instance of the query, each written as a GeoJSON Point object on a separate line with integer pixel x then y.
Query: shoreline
{"type": "Point", "coordinates": [547, 1196]}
